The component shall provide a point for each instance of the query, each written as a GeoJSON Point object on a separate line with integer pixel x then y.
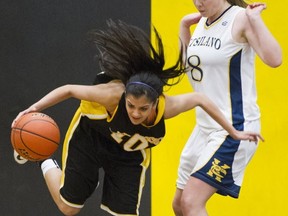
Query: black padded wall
{"type": "Point", "coordinates": [42, 47]}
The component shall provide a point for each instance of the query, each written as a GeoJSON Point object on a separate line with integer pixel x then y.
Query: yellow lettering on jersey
{"type": "Point", "coordinates": [135, 142]}
{"type": "Point", "coordinates": [118, 137]}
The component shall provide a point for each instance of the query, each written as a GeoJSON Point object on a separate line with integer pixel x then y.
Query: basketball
{"type": "Point", "coordinates": [35, 136]}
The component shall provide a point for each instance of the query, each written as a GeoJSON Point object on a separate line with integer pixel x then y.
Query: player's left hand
{"type": "Point", "coordinates": [255, 9]}
{"type": "Point", "coordinates": [248, 135]}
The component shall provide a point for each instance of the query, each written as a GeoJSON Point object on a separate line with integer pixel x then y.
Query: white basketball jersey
{"type": "Point", "coordinates": [223, 70]}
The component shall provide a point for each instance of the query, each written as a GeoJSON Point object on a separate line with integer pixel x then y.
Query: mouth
{"type": "Point", "coordinates": [135, 120]}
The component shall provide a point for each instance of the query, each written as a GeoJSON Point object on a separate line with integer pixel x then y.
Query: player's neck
{"type": "Point", "coordinates": [151, 118]}
{"type": "Point", "coordinates": [219, 13]}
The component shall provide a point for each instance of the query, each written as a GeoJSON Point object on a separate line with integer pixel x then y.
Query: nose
{"type": "Point", "coordinates": [135, 114]}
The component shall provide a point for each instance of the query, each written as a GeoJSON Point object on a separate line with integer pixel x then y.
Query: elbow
{"type": "Point", "coordinates": [202, 99]}
{"type": "Point", "coordinates": [67, 90]}
{"type": "Point", "coordinates": [274, 60]}
{"type": "Point", "coordinates": [276, 63]}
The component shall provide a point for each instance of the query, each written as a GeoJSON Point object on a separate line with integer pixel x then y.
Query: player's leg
{"type": "Point", "coordinates": [52, 175]}
{"type": "Point", "coordinates": [219, 168]}
{"type": "Point", "coordinates": [79, 178]}
{"type": "Point", "coordinates": [192, 200]}
{"type": "Point", "coordinates": [195, 196]}
{"type": "Point", "coordinates": [205, 176]}
{"type": "Point", "coordinates": [124, 180]}
{"type": "Point", "coordinates": [188, 160]}
{"type": "Point", "coordinates": [176, 205]}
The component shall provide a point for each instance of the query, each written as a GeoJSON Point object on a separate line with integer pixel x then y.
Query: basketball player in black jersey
{"type": "Point", "coordinates": [118, 121]}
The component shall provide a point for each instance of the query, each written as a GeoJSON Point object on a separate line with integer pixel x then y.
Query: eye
{"type": "Point", "coordinates": [144, 109]}
{"type": "Point", "coordinates": [130, 105]}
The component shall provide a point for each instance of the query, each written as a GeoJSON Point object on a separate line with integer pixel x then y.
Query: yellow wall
{"type": "Point", "coordinates": [264, 189]}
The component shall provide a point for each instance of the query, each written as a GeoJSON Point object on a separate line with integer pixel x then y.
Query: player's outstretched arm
{"type": "Point", "coordinates": [54, 97]}
{"type": "Point", "coordinates": [182, 103]}
{"type": "Point", "coordinates": [105, 94]}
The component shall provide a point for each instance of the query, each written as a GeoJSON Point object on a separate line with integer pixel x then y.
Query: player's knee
{"type": "Point", "coordinates": [68, 210]}
{"type": "Point", "coordinates": [190, 206]}
{"type": "Point", "coordinates": [187, 203]}
{"type": "Point", "coordinates": [184, 202]}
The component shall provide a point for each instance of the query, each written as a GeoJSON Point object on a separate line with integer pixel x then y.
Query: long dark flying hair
{"type": "Point", "coordinates": [126, 50]}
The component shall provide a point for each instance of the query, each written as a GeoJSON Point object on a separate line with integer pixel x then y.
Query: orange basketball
{"type": "Point", "coordinates": [35, 136]}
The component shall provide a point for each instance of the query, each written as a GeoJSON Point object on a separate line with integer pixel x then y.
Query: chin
{"type": "Point", "coordinates": [135, 122]}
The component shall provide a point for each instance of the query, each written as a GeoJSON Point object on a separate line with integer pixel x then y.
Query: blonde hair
{"type": "Point", "coordinates": [240, 3]}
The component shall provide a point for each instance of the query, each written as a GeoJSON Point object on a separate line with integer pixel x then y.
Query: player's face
{"type": "Point", "coordinates": [138, 109]}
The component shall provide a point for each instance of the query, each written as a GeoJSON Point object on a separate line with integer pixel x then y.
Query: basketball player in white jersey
{"type": "Point", "coordinates": [220, 55]}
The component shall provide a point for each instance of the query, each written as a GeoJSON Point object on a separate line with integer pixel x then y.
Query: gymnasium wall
{"type": "Point", "coordinates": [42, 47]}
{"type": "Point", "coordinates": [264, 189]}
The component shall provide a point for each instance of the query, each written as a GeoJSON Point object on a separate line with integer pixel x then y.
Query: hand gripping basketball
{"type": "Point", "coordinates": [35, 136]}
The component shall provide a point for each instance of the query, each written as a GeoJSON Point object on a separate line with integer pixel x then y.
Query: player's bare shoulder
{"type": "Point", "coordinates": [115, 88]}
{"type": "Point", "coordinates": [112, 93]}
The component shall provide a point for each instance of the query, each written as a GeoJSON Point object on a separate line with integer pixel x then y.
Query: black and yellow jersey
{"type": "Point", "coordinates": [119, 128]}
